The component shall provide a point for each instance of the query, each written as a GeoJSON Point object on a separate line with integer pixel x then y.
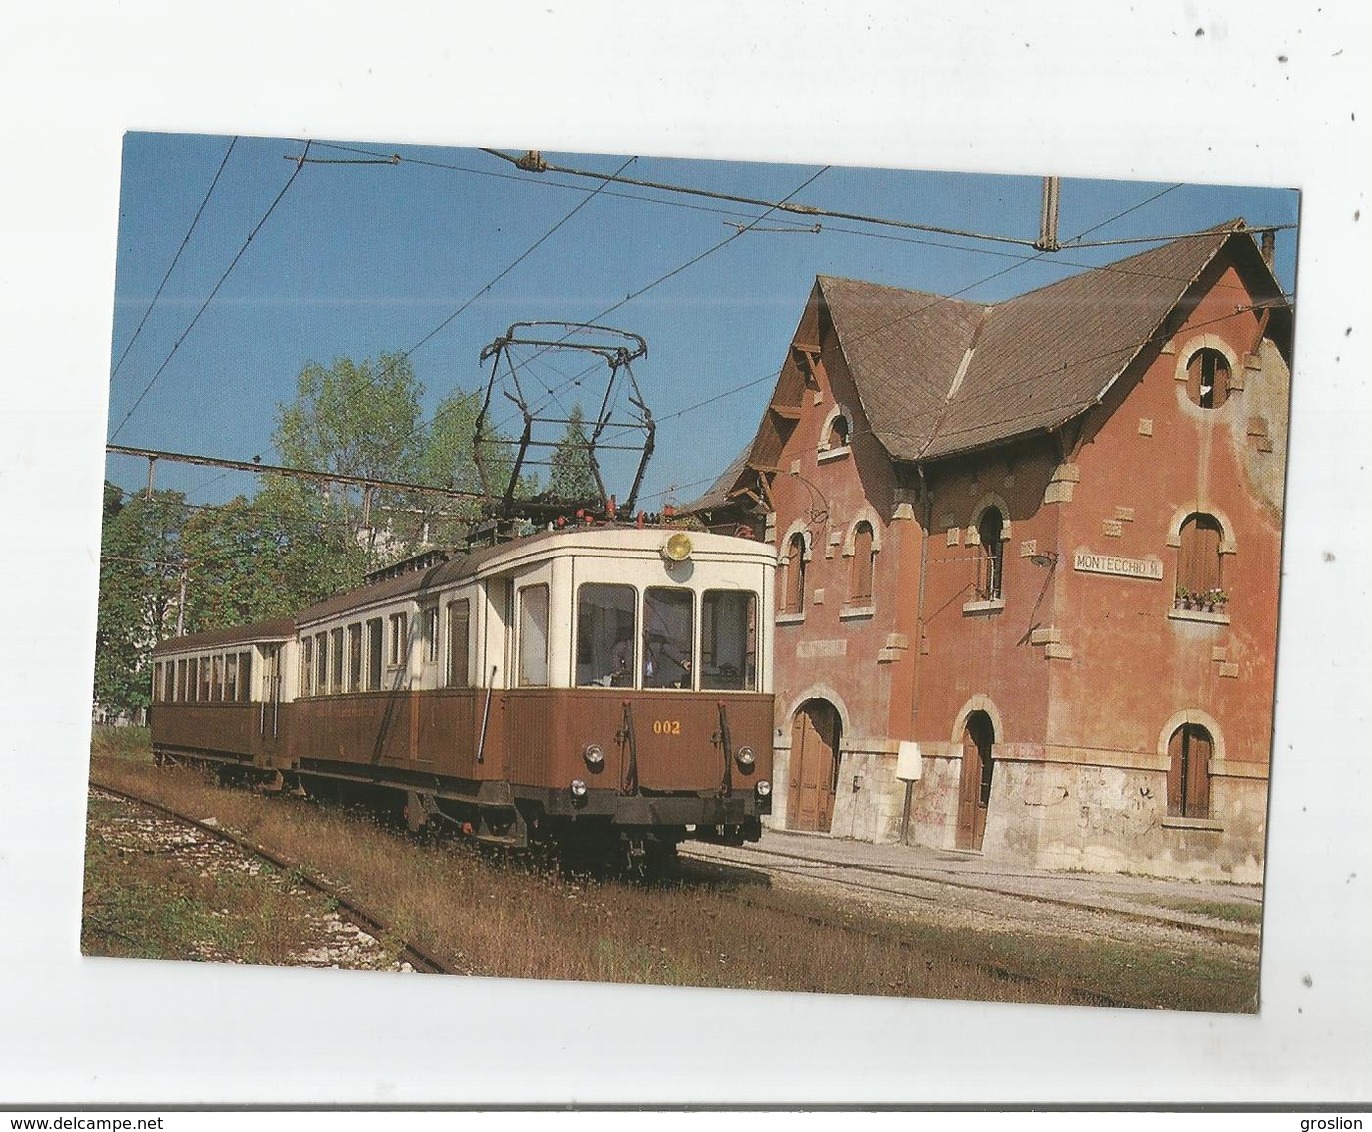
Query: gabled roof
{"type": "Point", "coordinates": [938, 376]}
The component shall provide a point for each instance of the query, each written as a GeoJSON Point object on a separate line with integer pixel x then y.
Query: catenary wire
{"type": "Point", "coordinates": [227, 271]}
{"type": "Point", "coordinates": [175, 259]}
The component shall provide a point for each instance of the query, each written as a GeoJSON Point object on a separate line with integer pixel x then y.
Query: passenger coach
{"type": "Point", "coordinates": [604, 687]}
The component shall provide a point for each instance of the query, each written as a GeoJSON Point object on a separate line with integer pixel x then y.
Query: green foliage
{"type": "Point", "coordinates": [259, 559]}
{"type": "Point", "coordinates": [572, 477]}
{"type": "Point", "coordinates": [140, 582]}
{"type": "Point", "coordinates": [358, 419]}
{"type": "Point", "coordinates": [293, 542]}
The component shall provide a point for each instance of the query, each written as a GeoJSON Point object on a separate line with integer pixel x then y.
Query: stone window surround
{"type": "Point", "coordinates": [1217, 760]}
{"type": "Point", "coordinates": [801, 528]}
{"type": "Point", "coordinates": [972, 537]}
{"type": "Point", "coordinates": [979, 702]}
{"type": "Point", "coordinates": [1188, 350]}
{"type": "Point", "coordinates": [1227, 546]}
{"type": "Point", "coordinates": [825, 452]}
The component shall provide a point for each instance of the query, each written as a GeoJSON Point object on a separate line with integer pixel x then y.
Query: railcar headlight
{"type": "Point", "coordinates": [763, 788]}
{"type": "Point", "coordinates": [746, 758]}
{"type": "Point", "coordinates": [677, 548]}
{"type": "Point", "coordinates": [578, 788]}
{"type": "Point", "coordinates": [594, 754]}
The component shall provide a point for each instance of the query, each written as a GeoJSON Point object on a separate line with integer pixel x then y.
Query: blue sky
{"type": "Point", "coordinates": [361, 259]}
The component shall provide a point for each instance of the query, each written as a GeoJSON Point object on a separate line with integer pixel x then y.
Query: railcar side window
{"type": "Point", "coordinates": [157, 681]}
{"type": "Point", "coordinates": [400, 635]}
{"type": "Point", "coordinates": [459, 649]}
{"type": "Point", "coordinates": [728, 640]}
{"type": "Point", "coordinates": [181, 680]}
{"type": "Point", "coordinates": [668, 637]}
{"type": "Point", "coordinates": [533, 637]}
{"type": "Point", "coordinates": [231, 678]}
{"type": "Point", "coordinates": [193, 680]}
{"type": "Point", "coordinates": [204, 679]}
{"type": "Point", "coordinates": [217, 678]}
{"type": "Point", "coordinates": [374, 656]}
{"type": "Point", "coordinates": [321, 664]}
{"type": "Point", "coordinates": [605, 617]}
{"type": "Point", "coordinates": [355, 657]}
{"type": "Point", "coordinates": [430, 622]}
{"type": "Point", "coordinates": [336, 655]}
{"type": "Point", "coordinates": [307, 666]}
{"type": "Point", "coordinates": [245, 676]}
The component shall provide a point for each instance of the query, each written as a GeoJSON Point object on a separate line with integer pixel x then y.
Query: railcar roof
{"type": "Point", "coordinates": [460, 566]}
{"type": "Point", "coordinates": [281, 629]}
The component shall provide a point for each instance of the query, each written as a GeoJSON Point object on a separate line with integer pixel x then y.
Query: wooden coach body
{"type": "Point", "coordinates": [573, 684]}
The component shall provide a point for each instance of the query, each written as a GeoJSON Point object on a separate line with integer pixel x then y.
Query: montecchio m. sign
{"type": "Point", "coordinates": [1123, 567]}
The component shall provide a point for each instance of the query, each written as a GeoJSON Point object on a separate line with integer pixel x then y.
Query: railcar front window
{"type": "Point", "coordinates": [533, 637]}
{"type": "Point", "coordinates": [668, 637]}
{"type": "Point", "coordinates": [728, 640]}
{"type": "Point", "coordinates": [605, 631]}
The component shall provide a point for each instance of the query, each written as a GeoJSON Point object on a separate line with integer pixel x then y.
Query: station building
{"type": "Point", "coordinates": [1028, 562]}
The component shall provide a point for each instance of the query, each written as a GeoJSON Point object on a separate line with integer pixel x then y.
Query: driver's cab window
{"type": "Point", "coordinates": [668, 639]}
{"type": "Point", "coordinates": [605, 633]}
{"type": "Point", "coordinates": [533, 637]}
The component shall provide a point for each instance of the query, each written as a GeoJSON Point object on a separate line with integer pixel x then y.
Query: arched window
{"type": "Point", "coordinates": [793, 596]}
{"type": "Point", "coordinates": [1188, 772]}
{"type": "Point", "coordinates": [864, 560]}
{"type": "Point", "coordinates": [991, 566]}
{"type": "Point", "coordinates": [1207, 378]}
{"type": "Point", "coordinates": [1199, 579]}
{"type": "Point", "coordinates": [838, 432]}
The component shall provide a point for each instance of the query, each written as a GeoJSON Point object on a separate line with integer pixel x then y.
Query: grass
{"type": "Point", "coordinates": [485, 918]}
{"type": "Point", "coordinates": [145, 905]}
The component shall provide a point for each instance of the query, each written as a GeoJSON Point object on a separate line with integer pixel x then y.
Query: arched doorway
{"type": "Point", "coordinates": [974, 792]}
{"type": "Point", "coordinates": [815, 734]}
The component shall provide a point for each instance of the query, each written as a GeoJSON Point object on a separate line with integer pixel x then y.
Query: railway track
{"type": "Point", "coordinates": [1002, 902]}
{"type": "Point", "coordinates": [347, 908]}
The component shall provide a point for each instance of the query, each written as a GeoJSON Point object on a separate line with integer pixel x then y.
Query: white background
{"type": "Point", "coordinates": [1256, 93]}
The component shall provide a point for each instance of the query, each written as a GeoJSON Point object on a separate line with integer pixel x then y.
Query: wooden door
{"type": "Point", "coordinates": [974, 789]}
{"type": "Point", "coordinates": [814, 766]}
{"type": "Point", "coordinates": [1188, 772]}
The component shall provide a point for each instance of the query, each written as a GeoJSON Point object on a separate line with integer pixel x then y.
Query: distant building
{"type": "Point", "coordinates": [1041, 541]}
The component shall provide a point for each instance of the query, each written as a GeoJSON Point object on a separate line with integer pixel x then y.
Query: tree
{"type": "Point", "coordinates": [356, 419]}
{"type": "Point", "coordinates": [571, 475]}
{"type": "Point", "coordinates": [259, 559]}
{"type": "Point", "coordinates": [140, 591]}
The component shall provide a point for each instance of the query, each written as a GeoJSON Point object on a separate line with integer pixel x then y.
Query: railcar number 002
{"type": "Point", "coordinates": [666, 727]}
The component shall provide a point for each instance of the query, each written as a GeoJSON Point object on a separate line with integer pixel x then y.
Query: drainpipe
{"type": "Point", "coordinates": [926, 527]}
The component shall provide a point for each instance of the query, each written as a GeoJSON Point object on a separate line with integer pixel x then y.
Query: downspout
{"type": "Point", "coordinates": [926, 527]}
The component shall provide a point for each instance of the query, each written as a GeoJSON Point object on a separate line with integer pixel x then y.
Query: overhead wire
{"type": "Point", "coordinates": [210, 298]}
{"type": "Point", "coordinates": [704, 254]}
{"type": "Point", "coordinates": [185, 240]}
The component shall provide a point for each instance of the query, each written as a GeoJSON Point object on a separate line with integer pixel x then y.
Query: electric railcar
{"type": "Point", "coordinates": [603, 688]}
